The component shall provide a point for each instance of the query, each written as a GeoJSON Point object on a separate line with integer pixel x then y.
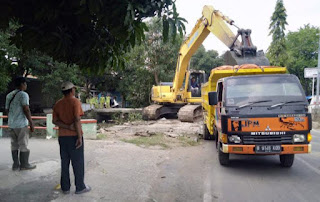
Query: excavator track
{"type": "Point", "coordinates": [155, 111]}
{"type": "Point", "coordinates": [151, 112]}
{"type": "Point", "coordinates": [190, 113]}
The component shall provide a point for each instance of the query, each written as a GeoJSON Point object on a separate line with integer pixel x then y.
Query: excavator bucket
{"type": "Point", "coordinates": [231, 58]}
{"type": "Point", "coordinates": [246, 52]}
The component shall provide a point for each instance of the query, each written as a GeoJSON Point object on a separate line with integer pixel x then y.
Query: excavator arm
{"type": "Point", "coordinates": [211, 21]}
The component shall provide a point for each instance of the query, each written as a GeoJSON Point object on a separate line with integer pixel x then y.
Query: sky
{"type": "Point", "coordinates": [251, 14]}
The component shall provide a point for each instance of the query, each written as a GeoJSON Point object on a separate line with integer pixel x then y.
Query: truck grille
{"type": "Point", "coordinates": [270, 139]}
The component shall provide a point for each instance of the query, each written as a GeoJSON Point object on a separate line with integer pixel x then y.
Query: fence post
{"type": "Point", "coordinates": [50, 125]}
{"type": "Point", "coordinates": [1, 123]}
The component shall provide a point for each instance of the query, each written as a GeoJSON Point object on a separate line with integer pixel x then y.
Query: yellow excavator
{"type": "Point", "coordinates": [182, 97]}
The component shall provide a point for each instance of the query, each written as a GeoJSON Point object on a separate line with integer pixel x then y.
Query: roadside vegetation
{"type": "Point", "coordinates": [121, 118]}
{"type": "Point", "coordinates": [163, 141]}
{"type": "Point", "coordinates": [154, 140]}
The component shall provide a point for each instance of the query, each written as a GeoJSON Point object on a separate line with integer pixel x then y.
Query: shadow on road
{"type": "Point", "coordinates": [263, 166]}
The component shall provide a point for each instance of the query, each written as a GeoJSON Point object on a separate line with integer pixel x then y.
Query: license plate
{"type": "Point", "coordinates": [267, 149]}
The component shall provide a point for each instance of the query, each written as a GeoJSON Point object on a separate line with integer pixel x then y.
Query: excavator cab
{"type": "Point", "coordinates": [195, 81]}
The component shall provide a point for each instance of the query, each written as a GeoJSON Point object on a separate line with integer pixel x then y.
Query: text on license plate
{"type": "Point", "coordinates": [268, 148]}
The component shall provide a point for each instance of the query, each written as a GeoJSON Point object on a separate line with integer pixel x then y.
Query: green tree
{"type": "Point", "coordinates": [160, 56]}
{"type": "Point", "coordinates": [91, 34]}
{"type": "Point", "coordinates": [52, 73]}
{"type": "Point", "coordinates": [205, 60]}
{"type": "Point", "coordinates": [8, 53]}
{"type": "Point", "coordinates": [14, 62]}
{"type": "Point", "coordinates": [5, 64]}
{"type": "Point", "coordinates": [277, 51]}
{"type": "Point", "coordinates": [147, 64]}
{"type": "Point", "coordinates": [302, 47]}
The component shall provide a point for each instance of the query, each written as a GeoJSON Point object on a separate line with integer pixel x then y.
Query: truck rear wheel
{"type": "Point", "coordinates": [223, 157]}
{"type": "Point", "coordinates": [206, 133]}
{"type": "Point", "coordinates": [286, 160]}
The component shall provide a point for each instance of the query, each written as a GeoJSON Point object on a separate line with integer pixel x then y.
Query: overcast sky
{"type": "Point", "coordinates": [251, 14]}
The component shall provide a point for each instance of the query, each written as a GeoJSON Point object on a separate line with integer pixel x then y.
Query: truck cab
{"type": "Point", "coordinates": [263, 114]}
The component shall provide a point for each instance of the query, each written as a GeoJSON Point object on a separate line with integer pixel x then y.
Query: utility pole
{"type": "Point", "coordinates": [318, 76]}
{"type": "Point", "coordinates": [312, 86]}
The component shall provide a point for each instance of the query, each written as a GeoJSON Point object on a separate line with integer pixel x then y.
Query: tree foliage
{"type": "Point", "coordinates": [51, 74]}
{"type": "Point", "coordinates": [277, 50]}
{"type": "Point", "coordinates": [8, 53]}
{"type": "Point", "coordinates": [302, 47]}
{"type": "Point", "coordinates": [4, 75]}
{"type": "Point", "coordinates": [92, 34]}
{"type": "Point", "coordinates": [147, 64]}
{"type": "Point", "coordinates": [205, 60]}
{"type": "Point", "coordinates": [160, 56]}
{"type": "Point", "coordinates": [15, 62]}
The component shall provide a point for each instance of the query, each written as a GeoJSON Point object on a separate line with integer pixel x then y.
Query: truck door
{"type": "Point", "coordinates": [220, 103]}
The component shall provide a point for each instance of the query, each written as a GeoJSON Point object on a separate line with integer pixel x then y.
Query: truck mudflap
{"type": "Point", "coordinates": [251, 149]}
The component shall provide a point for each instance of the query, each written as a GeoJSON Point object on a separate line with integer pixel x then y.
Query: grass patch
{"type": "Point", "coordinates": [135, 116]}
{"type": "Point", "coordinates": [154, 140]}
{"type": "Point", "coordinates": [105, 125]}
{"type": "Point", "coordinates": [185, 141]}
{"type": "Point", "coordinates": [121, 118]}
{"type": "Point", "coordinates": [101, 137]}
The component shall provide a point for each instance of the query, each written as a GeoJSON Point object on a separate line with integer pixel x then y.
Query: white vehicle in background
{"type": "Point", "coordinates": [313, 104]}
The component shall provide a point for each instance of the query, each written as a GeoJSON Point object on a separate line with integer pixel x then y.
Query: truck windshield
{"type": "Point", "coordinates": [240, 90]}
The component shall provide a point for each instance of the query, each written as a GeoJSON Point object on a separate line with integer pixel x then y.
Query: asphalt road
{"type": "Point", "coordinates": [123, 172]}
{"type": "Point", "coordinates": [198, 176]}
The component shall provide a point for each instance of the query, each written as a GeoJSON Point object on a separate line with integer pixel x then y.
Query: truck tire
{"type": "Point", "coordinates": [223, 157]}
{"type": "Point", "coordinates": [286, 160]}
{"type": "Point", "coordinates": [206, 133]}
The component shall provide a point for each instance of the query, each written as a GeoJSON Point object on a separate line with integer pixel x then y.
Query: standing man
{"type": "Point", "coordinates": [19, 116]}
{"type": "Point", "coordinates": [66, 114]}
{"type": "Point", "coordinates": [102, 101]}
{"type": "Point", "coordinates": [108, 98]}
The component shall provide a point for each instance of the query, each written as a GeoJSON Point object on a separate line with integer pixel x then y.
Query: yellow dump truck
{"type": "Point", "coordinates": [259, 110]}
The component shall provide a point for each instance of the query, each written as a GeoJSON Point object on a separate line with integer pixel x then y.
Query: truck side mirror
{"type": "Point", "coordinates": [213, 98]}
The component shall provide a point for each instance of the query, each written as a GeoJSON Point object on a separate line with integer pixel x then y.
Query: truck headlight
{"type": "Point", "coordinates": [299, 138]}
{"type": "Point", "coordinates": [234, 139]}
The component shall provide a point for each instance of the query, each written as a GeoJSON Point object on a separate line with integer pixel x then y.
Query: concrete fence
{"type": "Point", "coordinates": [89, 126]}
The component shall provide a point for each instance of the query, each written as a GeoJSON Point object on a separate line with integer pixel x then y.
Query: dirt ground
{"type": "Point", "coordinates": [163, 133]}
{"type": "Point", "coordinates": [124, 157]}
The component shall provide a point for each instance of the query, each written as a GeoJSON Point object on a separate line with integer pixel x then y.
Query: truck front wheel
{"type": "Point", "coordinates": [286, 160]}
{"type": "Point", "coordinates": [223, 158]}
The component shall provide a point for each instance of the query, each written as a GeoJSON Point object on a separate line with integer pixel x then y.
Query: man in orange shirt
{"type": "Point", "coordinates": [67, 113]}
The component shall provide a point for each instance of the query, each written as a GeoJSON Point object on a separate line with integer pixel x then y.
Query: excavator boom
{"type": "Point", "coordinates": [211, 21]}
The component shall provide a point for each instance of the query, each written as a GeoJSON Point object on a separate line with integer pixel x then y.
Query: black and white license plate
{"type": "Point", "coordinates": [268, 149]}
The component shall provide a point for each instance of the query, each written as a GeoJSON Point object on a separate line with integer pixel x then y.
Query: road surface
{"type": "Point", "coordinates": [120, 171]}
{"type": "Point", "coordinates": [197, 176]}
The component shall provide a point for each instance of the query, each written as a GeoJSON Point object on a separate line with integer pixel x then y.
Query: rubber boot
{"type": "Point", "coordinates": [15, 158]}
{"type": "Point", "coordinates": [24, 161]}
